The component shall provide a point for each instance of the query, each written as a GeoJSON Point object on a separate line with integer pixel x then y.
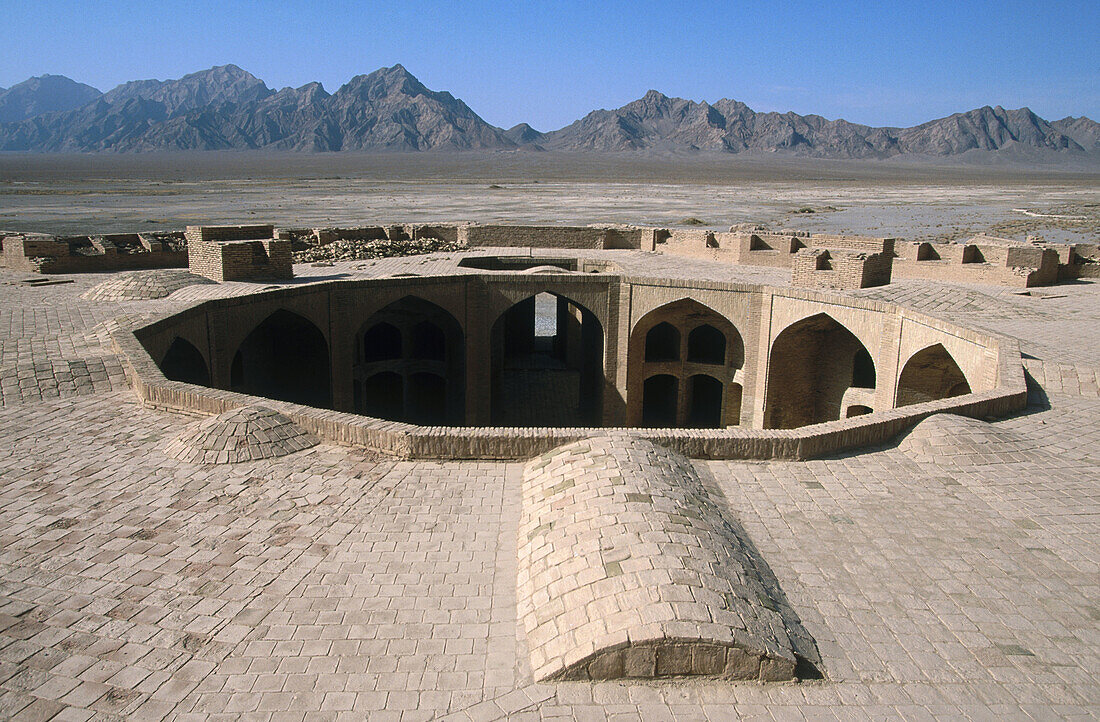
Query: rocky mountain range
{"type": "Point", "coordinates": [228, 108]}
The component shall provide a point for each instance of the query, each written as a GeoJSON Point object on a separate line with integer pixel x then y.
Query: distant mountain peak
{"type": "Point", "coordinates": [390, 109]}
{"type": "Point", "coordinates": [43, 94]}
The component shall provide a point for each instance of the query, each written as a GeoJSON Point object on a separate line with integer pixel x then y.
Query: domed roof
{"type": "Point", "coordinates": [142, 285]}
{"type": "Point", "coordinates": [244, 434]}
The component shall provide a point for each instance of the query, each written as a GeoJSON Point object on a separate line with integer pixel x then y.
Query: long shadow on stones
{"type": "Point", "coordinates": [808, 658]}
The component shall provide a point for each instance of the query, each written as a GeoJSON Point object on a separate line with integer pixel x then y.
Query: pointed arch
{"type": "Point", "coordinates": [547, 364]}
{"type": "Point", "coordinates": [184, 362]}
{"type": "Point", "coordinates": [810, 366]}
{"type": "Point", "coordinates": [690, 342]}
{"type": "Point", "coordinates": [930, 374]}
{"type": "Point", "coordinates": [418, 347]}
{"type": "Point", "coordinates": [286, 357]}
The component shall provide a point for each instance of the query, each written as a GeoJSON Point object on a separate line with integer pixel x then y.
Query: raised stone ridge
{"type": "Point", "coordinates": [248, 433]}
{"type": "Point", "coordinates": [627, 568]}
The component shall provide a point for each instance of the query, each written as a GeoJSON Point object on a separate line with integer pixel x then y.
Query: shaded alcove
{"type": "Point", "coordinates": [285, 357]}
{"type": "Point", "coordinates": [704, 402]}
{"type": "Point", "coordinates": [547, 364]}
{"type": "Point", "coordinates": [811, 364]}
{"type": "Point", "coordinates": [381, 395]}
{"type": "Point", "coordinates": [701, 351]}
{"type": "Point", "coordinates": [863, 370]}
{"type": "Point", "coordinates": [183, 362]}
{"type": "Point", "coordinates": [706, 345]}
{"type": "Point", "coordinates": [660, 400]}
{"type": "Point", "coordinates": [662, 343]}
{"type": "Point", "coordinates": [418, 349]}
{"type": "Point", "coordinates": [380, 342]}
{"type": "Point", "coordinates": [930, 374]}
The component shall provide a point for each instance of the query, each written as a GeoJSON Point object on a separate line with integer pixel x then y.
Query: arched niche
{"type": "Point", "coordinates": [810, 367]}
{"type": "Point", "coordinates": [420, 348]}
{"type": "Point", "coordinates": [547, 364]}
{"type": "Point", "coordinates": [685, 339]}
{"type": "Point", "coordinates": [380, 342]}
{"type": "Point", "coordinates": [285, 357]}
{"type": "Point", "coordinates": [706, 345]}
{"type": "Point", "coordinates": [184, 362]}
{"type": "Point", "coordinates": [662, 343]}
{"type": "Point", "coordinates": [930, 374]}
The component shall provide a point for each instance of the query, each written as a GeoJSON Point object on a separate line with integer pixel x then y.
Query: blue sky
{"type": "Point", "coordinates": [548, 63]}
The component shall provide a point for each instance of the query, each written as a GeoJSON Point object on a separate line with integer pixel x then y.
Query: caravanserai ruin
{"type": "Point", "coordinates": [538, 471]}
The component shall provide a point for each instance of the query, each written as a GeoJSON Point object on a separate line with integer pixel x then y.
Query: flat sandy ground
{"type": "Point", "coordinates": [71, 194]}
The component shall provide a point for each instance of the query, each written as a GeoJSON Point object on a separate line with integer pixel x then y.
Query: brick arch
{"type": "Point", "coordinates": [422, 345]}
{"type": "Point", "coordinates": [543, 379]}
{"type": "Point", "coordinates": [930, 374]}
{"type": "Point", "coordinates": [811, 365]}
{"type": "Point", "coordinates": [184, 362]}
{"type": "Point", "coordinates": [285, 357]}
{"type": "Point", "coordinates": [709, 345]}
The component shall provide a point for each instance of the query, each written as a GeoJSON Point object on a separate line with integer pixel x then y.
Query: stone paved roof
{"type": "Point", "coordinates": [143, 285]}
{"type": "Point", "coordinates": [333, 584]}
{"type": "Point", "coordinates": [627, 568]}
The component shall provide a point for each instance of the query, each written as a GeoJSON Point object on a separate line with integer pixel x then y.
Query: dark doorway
{"type": "Point", "coordinates": [427, 399]}
{"type": "Point", "coordinates": [383, 396]}
{"type": "Point", "coordinates": [286, 358]}
{"type": "Point", "coordinates": [183, 362]}
{"type": "Point", "coordinates": [381, 342]}
{"type": "Point", "coordinates": [659, 401]}
{"type": "Point", "coordinates": [863, 370]}
{"type": "Point", "coordinates": [547, 364]}
{"type": "Point", "coordinates": [705, 409]}
{"type": "Point", "coordinates": [662, 343]}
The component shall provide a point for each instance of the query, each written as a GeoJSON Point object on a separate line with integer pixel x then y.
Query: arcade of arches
{"type": "Point", "coordinates": [551, 360]}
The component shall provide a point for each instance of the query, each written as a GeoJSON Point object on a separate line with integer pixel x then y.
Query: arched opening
{"type": "Point", "coordinates": [547, 364]}
{"type": "Point", "coordinates": [662, 343]}
{"type": "Point", "coordinates": [381, 342]}
{"type": "Point", "coordinates": [383, 396]}
{"type": "Point", "coordinates": [427, 399]}
{"type": "Point", "coordinates": [863, 370]}
{"type": "Point", "coordinates": [930, 374]}
{"type": "Point", "coordinates": [428, 342]}
{"type": "Point", "coordinates": [183, 362]}
{"type": "Point", "coordinates": [811, 365]}
{"type": "Point", "coordinates": [421, 345]}
{"type": "Point", "coordinates": [286, 358]}
{"type": "Point", "coordinates": [659, 401]}
{"type": "Point", "coordinates": [858, 410]}
{"type": "Point", "coordinates": [706, 345]}
{"type": "Point", "coordinates": [705, 402]}
{"type": "Point", "coordinates": [655, 349]}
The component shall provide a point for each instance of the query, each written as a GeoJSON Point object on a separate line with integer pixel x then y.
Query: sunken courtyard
{"type": "Point", "coordinates": [548, 472]}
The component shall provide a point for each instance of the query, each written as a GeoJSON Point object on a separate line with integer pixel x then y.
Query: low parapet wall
{"type": "Point", "coordinates": [1002, 391]}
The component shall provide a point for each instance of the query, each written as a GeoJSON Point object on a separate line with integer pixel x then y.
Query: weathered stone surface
{"type": "Point", "coordinates": [245, 434]}
{"type": "Point", "coordinates": [142, 285]}
{"type": "Point", "coordinates": [620, 544]}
